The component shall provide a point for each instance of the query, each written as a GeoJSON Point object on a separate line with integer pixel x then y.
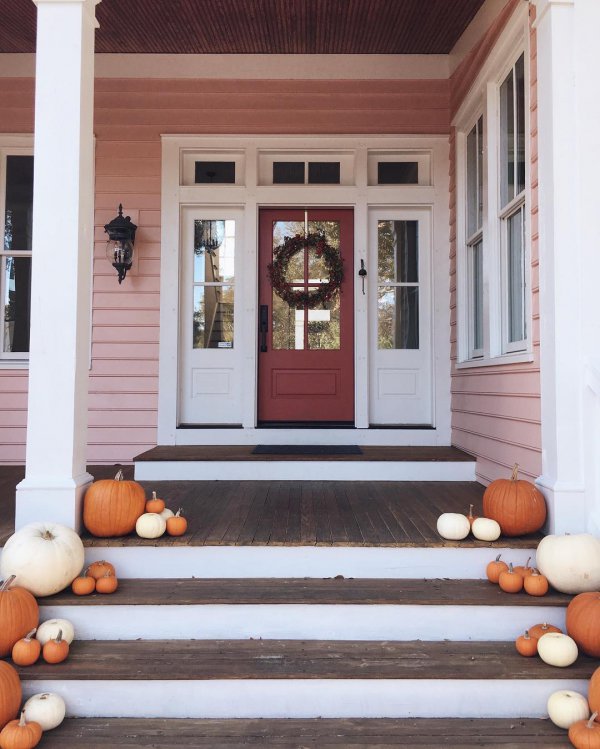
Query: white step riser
{"type": "Point", "coordinates": [307, 698]}
{"type": "Point", "coordinates": [303, 561]}
{"type": "Point", "coordinates": [310, 622]}
{"type": "Point", "coordinates": [280, 470]}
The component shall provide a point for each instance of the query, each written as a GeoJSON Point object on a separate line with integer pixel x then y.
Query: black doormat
{"type": "Point", "coordinates": [307, 450]}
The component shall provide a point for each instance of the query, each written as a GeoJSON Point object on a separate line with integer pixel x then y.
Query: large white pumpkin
{"type": "Point", "coordinates": [49, 630]}
{"type": "Point", "coordinates": [566, 707]}
{"type": "Point", "coordinates": [44, 557]}
{"type": "Point", "coordinates": [47, 708]}
{"type": "Point", "coordinates": [557, 649]}
{"type": "Point", "coordinates": [453, 526]}
{"type": "Point", "coordinates": [571, 562]}
{"type": "Point", "coordinates": [486, 529]}
{"type": "Point", "coordinates": [150, 525]}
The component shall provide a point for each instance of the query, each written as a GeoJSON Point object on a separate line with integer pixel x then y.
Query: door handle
{"type": "Point", "coordinates": [263, 326]}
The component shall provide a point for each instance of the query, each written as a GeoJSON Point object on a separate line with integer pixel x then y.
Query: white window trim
{"type": "Point", "coordinates": [484, 98]}
{"type": "Point", "coordinates": [11, 145]}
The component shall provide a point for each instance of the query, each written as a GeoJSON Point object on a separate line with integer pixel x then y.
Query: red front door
{"type": "Point", "coordinates": [306, 348]}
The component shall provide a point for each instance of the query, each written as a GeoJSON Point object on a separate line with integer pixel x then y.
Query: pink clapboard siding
{"type": "Point", "coordinates": [496, 413]}
{"type": "Point", "coordinates": [129, 118]}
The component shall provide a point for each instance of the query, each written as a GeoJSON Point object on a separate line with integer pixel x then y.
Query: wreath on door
{"type": "Point", "coordinates": [281, 259]}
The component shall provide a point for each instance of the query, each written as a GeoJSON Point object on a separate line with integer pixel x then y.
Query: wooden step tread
{"type": "Point", "coordinates": [144, 733]}
{"type": "Point", "coordinates": [334, 591]}
{"type": "Point", "coordinates": [300, 659]}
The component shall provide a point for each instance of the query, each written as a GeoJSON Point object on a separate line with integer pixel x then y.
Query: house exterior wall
{"type": "Point", "coordinates": [496, 410]}
{"type": "Point", "coordinates": [130, 116]}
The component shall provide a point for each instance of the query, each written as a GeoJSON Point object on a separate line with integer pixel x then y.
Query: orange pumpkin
{"type": "Point", "coordinates": [542, 629]}
{"type": "Point", "coordinates": [20, 734]}
{"type": "Point", "coordinates": [155, 504]}
{"type": "Point", "coordinates": [510, 581]}
{"type": "Point", "coordinates": [177, 525]}
{"type": "Point", "coordinates": [10, 693]}
{"type": "Point", "coordinates": [25, 652]}
{"type": "Point", "coordinates": [57, 650]}
{"type": "Point", "coordinates": [583, 622]}
{"type": "Point", "coordinates": [111, 507]}
{"type": "Point", "coordinates": [524, 570]}
{"type": "Point", "coordinates": [585, 734]}
{"type": "Point", "coordinates": [594, 691]}
{"type": "Point", "coordinates": [526, 645]}
{"type": "Point", "coordinates": [99, 569]}
{"type": "Point", "coordinates": [494, 569]}
{"type": "Point", "coordinates": [19, 614]}
{"type": "Point", "coordinates": [535, 584]}
{"type": "Point", "coordinates": [518, 506]}
{"type": "Point", "coordinates": [107, 584]}
{"type": "Point", "coordinates": [83, 586]}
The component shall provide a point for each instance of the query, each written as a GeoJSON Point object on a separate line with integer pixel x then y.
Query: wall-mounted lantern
{"type": "Point", "coordinates": [119, 248]}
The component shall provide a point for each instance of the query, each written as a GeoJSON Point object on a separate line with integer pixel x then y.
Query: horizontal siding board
{"type": "Point", "coordinates": [120, 383]}
{"type": "Point", "coordinates": [127, 419]}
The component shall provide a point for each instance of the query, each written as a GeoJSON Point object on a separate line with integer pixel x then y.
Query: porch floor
{"type": "Point", "coordinates": [295, 513]}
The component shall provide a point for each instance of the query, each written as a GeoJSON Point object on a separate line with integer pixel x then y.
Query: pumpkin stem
{"type": "Point", "coordinates": [510, 567]}
{"type": "Point", "coordinates": [48, 536]}
{"type": "Point", "coordinates": [119, 476]}
{"type": "Point", "coordinates": [515, 472]}
{"type": "Point", "coordinates": [590, 723]}
{"type": "Point", "coordinates": [526, 635]}
{"type": "Point", "coordinates": [178, 513]}
{"type": "Point", "coordinates": [22, 721]}
{"type": "Point", "coordinates": [7, 583]}
{"type": "Point", "coordinates": [498, 557]}
{"type": "Point", "coordinates": [59, 636]}
{"type": "Point", "coordinates": [30, 635]}
{"type": "Point", "coordinates": [527, 563]}
{"type": "Point", "coordinates": [153, 495]}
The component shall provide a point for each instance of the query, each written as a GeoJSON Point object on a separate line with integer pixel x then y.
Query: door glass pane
{"type": "Point", "coordinates": [19, 202]}
{"type": "Point", "coordinates": [17, 302]}
{"type": "Point", "coordinates": [507, 141]}
{"type": "Point", "coordinates": [477, 296]}
{"type": "Point", "coordinates": [317, 269]}
{"type": "Point", "coordinates": [324, 326]}
{"type": "Point", "coordinates": [281, 230]}
{"type": "Point", "coordinates": [213, 317]}
{"type": "Point", "coordinates": [520, 95]}
{"type": "Point", "coordinates": [516, 279]}
{"type": "Point", "coordinates": [398, 255]}
{"type": "Point", "coordinates": [214, 251]}
{"type": "Point", "coordinates": [288, 324]}
{"type": "Point", "coordinates": [398, 317]}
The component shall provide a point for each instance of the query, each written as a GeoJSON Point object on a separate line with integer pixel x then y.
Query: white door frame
{"type": "Point", "coordinates": [250, 153]}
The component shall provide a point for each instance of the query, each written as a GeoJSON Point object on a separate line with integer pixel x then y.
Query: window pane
{"type": "Point", "coordinates": [516, 278]}
{"type": "Point", "coordinates": [217, 264]}
{"type": "Point", "coordinates": [17, 302]}
{"type": "Point", "coordinates": [398, 252]}
{"type": "Point", "coordinates": [520, 85]}
{"type": "Point", "coordinates": [324, 326]}
{"type": "Point", "coordinates": [480, 173]}
{"type": "Point", "coordinates": [19, 202]}
{"type": "Point", "coordinates": [507, 141]}
{"type": "Point", "coordinates": [288, 324]}
{"type": "Point", "coordinates": [213, 317]}
{"type": "Point", "coordinates": [472, 175]}
{"type": "Point", "coordinates": [477, 296]}
{"type": "Point", "coordinates": [398, 317]}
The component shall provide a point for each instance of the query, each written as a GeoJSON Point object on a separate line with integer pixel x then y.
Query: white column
{"type": "Point", "coordinates": [63, 201]}
{"type": "Point", "coordinates": [568, 66]}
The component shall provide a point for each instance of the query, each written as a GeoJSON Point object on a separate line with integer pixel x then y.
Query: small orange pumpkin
{"type": "Point", "coordinates": [526, 645]}
{"type": "Point", "coordinates": [583, 622]}
{"type": "Point", "coordinates": [57, 650]}
{"type": "Point", "coordinates": [542, 629]}
{"type": "Point", "coordinates": [20, 734]}
{"type": "Point", "coordinates": [83, 586]}
{"type": "Point", "coordinates": [10, 693]}
{"type": "Point", "coordinates": [594, 691]}
{"type": "Point", "coordinates": [111, 507]}
{"type": "Point", "coordinates": [107, 584]}
{"type": "Point", "coordinates": [510, 581]}
{"type": "Point", "coordinates": [19, 614]}
{"type": "Point", "coordinates": [536, 584]}
{"type": "Point", "coordinates": [177, 525]}
{"type": "Point", "coordinates": [99, 569]}
{"type": "Point", "coordinates": [585, 734]}
{"type": "Point", "coordinates": [518, 506]}
{"type": "Point", "coordinates": [494, 569]}
{"type": "Point", "coordinates": [524, 570]}
{"type": "Point", "coordinates": [26, 651]}
{"type": "Point", "coordinates": [155, 504]}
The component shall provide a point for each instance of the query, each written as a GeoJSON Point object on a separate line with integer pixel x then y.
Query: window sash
{"type": "Point", "coordinates": [475, 297]}
{"type": "Point", "coordinates": [514, 281]}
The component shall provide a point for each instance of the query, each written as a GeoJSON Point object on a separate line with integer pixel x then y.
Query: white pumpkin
{"type": "Point", "coordinates": [47, 708]}
{"type": "Point", "coordinates": [44, 557]}
{"type": "Point", "coordinates": [49, 630]}
{"type": "Point", "coordinates": [150, 525]}
{"type": "Point", "coordinates": [566, 707]}
{"type": "Point", "coordinates": [453, 526]}
{"type": "Point", "coordinates": [486, 529]}
{"type": "Point", "coordinates": [166, 514]}
{"type": "Point", "coordinates": [570, 562]}
{"type": "Point", "coordinates": [557, 649]}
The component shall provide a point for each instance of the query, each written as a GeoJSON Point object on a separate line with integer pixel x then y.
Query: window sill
{"type": "Point", "coordinates": [14, 364]}
{"type": "Point", "coordinates": [497, 361]}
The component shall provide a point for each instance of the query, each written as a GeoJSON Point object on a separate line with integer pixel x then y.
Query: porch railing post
{"type": "Point", "coordinates": [63, 223]}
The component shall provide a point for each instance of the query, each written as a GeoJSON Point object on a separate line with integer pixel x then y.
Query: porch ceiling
{"type": "Point", "coordinates": [260, 26]}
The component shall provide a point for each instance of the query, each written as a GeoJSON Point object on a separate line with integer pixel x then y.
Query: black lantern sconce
{"type": "Point", "coordinates": [119, 248]}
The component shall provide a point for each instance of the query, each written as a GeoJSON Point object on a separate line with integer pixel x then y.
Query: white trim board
{"type": "Point", "coordinates": [306, 698]}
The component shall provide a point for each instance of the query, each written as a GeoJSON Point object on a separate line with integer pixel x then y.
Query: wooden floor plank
{"type": "Point", "coordinates": [351, 526]}
{"type": "Point", "coordinates": [345, 591]}
{"type": "Point", "coordinates": [454, 733]}
{"type": "Point", "coordinates": [308, 521]}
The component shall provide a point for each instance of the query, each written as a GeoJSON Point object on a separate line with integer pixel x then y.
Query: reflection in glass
{"type": "Point", "coordinates": [398, 255]}
{"type": "Point", "coordinates": [213, 317]}
{"type": "Point", "coordinates": [281, 230]}
{"type": "Point", "coordinates": [17, 303]}
{"type": "Point", "coordinates": [398, 317]}
{"type": "Point", "coordinates": [324, 326]}
{"type": "Point", "coordinates": [216, 265]}
{"type": "Point", "coordinates": [317, 269]}
{"type": "Point", "coordinates": [516, 278]}
{"type": "Point", "coordinates": [19, 202]}
{"type": "Point", "coordinates": [288, 324]}
{"type": "Point", "coordinates": [507, 140]}
{"type": "Point", "coordinates": [477, 296]}
{"type": "Point", "coordinates": [520, 104]}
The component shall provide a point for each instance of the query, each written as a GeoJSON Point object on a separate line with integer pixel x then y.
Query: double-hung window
{"type": "Point", "coordinates": [16, 204]}
{"type": "Point", "coordinates": [475, 239]}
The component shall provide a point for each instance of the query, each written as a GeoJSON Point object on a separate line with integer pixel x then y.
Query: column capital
{"type": "Point", "coordinates": [543, 6]}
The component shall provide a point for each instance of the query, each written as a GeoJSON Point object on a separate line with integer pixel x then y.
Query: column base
{"type": "Point", "coordinates": [53, 499]}
{"type": "Point", "coordinates": [566, 506]}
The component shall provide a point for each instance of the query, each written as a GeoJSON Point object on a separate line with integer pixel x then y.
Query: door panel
{"type": "Point", "coordinates": [306, 357]}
